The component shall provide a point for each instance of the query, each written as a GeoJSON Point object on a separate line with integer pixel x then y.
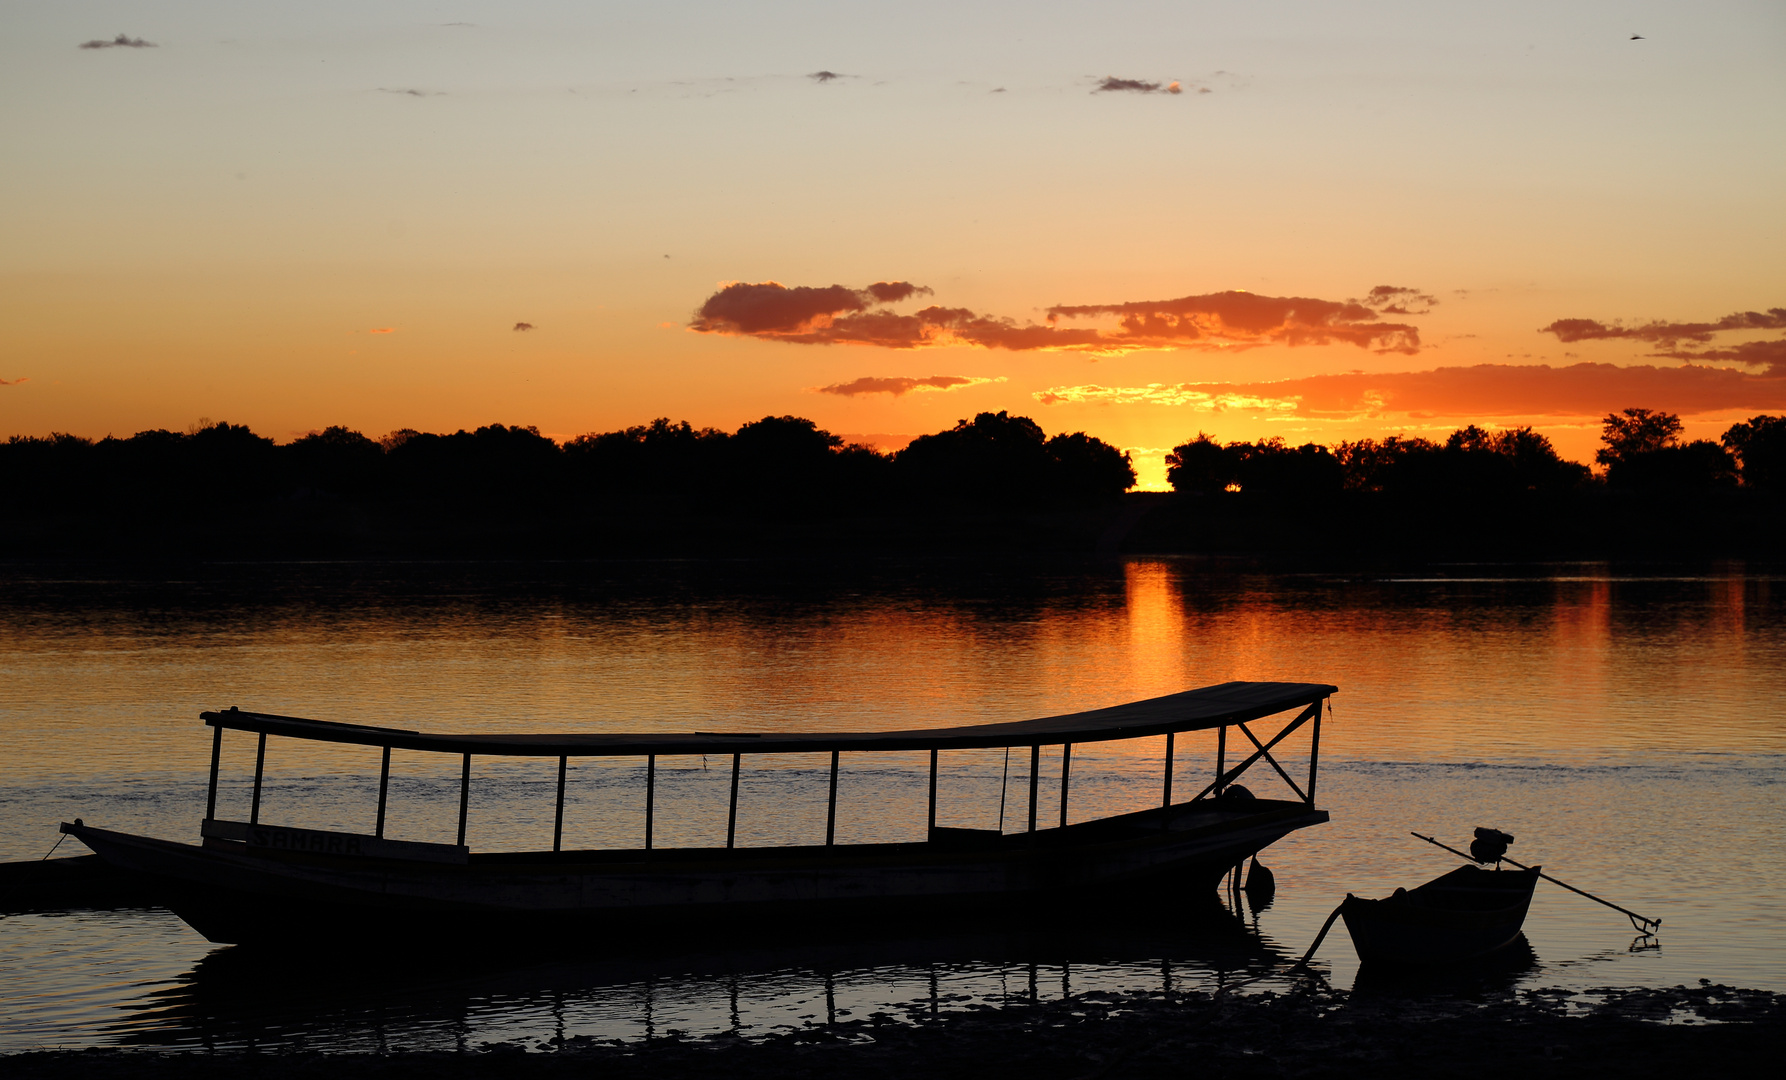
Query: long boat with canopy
{"type": "Point", "coordinates": [262, 881]}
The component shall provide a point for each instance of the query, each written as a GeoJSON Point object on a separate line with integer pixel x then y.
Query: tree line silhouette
{"type": "Point", "coordinates": [779, 465]}
{"type": "Point", "coordinates": [670, 486]}
{"type": "Point", "coordinates": [1640, 448]}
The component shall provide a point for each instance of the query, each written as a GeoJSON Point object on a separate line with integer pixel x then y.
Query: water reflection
{"type": "Point", "coordinates": [451, 998]}
{"type": "Point", "coordinates": [1497, 972]}
{"type": "Point", "coordinates": [1626, 726]}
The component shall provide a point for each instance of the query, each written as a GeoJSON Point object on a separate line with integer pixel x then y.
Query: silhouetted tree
{"type": "Point", "coordinates": [1536, 464]}
{"type": "Point", "coordinates": [1643, 453]}
{"type": "Point", "coordinates": [1636, 431]}
{"type": "Point", "coordinates": [335, 460]}
{"type": "Point", "coordinates": [790, 464]}
{"type": "Point", "coordinates": [494, 464]}
{"type": "Point", "coordinates": [57, 470]}
{"type": "Point", "coordinates": [1088, 469]}
{"type": "Point", "coordinates": [997, 459]}
{"type": "Point", "coordinates": [1271, 468]}
{"type": "Point", "coordinates": [994, 459]}
{"type": "Point", "coordinates": [1394, 465]}
{"type": "Point", "coordinates": [659, 461]}
{"type": "Point", "coordinates": [1760, 448]}
{"type": "Point", "coordinates": [1199, 467]}
{"type": "Point", "coordinates": [1479, 464]}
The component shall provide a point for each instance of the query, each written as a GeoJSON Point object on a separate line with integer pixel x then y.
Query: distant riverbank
{"type": "Point", "coordinates": [1537, 1034]}
{"type": "Point", "coordinates": [1361, 528]}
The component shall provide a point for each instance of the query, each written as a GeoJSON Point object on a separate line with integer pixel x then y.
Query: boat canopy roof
{"type": "Point", "coordinates": [1189, 710]}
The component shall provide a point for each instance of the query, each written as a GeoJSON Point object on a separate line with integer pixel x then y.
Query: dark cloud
{"type": "Point", "coordinates": [523, 326]}
{"type": "Point", "coordinates": [1666, 333]}
{"type": "Point", "coordinates": [1769, 354]}
{"type": "Point", "coordinates": [411, 93]}
{"type": "Point", "coordinates": [837, 314]}
{"type": "Point", "coordinates": [892, 292]}
{"type": "Point", "coordinates": [1399, 300]}
{"type": "Point", "coordinates": [824, 76]}
{"type": "Point", "coordinates": [1241, 319]}
{"type": "Point", "coordinates": [771, 309]}
{"type": "Point", "coordinates": [1112, 84]}
{"type": "Point", "coordinates": [122, 41]}
{"type": "Point", "coordinates": [898, 386]}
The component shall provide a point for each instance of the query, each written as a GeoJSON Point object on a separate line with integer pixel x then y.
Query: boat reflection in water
{"type": "Point", "coordinates": [703, 983]}
{"type": "Point", "coordinates": [1497, 972]}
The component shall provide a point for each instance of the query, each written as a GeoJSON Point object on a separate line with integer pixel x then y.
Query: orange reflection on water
{"type": "Point", "coordinates": [100, 696]}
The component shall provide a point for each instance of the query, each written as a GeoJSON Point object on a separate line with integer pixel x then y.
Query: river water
{"type": "Point", "coordinates": [1627, 724]}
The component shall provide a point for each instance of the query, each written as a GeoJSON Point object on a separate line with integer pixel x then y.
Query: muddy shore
{"type": "Point", "coordinates": [1297, 1033]}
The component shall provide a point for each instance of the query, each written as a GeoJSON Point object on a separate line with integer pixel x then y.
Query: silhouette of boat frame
{"type": "Point", "coordinates": [254, 881]}
{"type": "Point", "coordinates": [1464, 915]}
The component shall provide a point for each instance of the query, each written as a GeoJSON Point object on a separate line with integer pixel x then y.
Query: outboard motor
{"type": "Point", "coordinates": [1490, 846]}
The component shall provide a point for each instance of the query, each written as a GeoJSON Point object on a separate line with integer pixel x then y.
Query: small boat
{"type": "Point", "coordinates": [252, 881]}
{"type": "Point", "coordinates": [1466, 914]}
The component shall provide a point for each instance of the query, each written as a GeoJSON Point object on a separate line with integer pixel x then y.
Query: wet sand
{"type": "Point", "coordinates": [1301, 1032]}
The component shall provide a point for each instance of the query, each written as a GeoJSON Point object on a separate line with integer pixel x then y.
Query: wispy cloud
{"type": "Point", "coordinates": [1666, 333]}
{"type": "Point", "coordinates": [1399, 300]}
{"type": "Point", "coordinates": [410, 92]}
{"type": "Point", "coordinates": [825, 76]}
{"type": "Point", "coordinates": [837, 314]}
{"type": "Point", "coordinates": [900, 385]}
{"type": "Point", "coordinates": [523, 326]}
{"type": "Point", "coordinates": [382, 330]}
{"type": "Point", "coordinates": [1202, 397]}
{"type": "Point", "coordinates": [122, 41]}
{"type": "Point", "coordinates": [1691, 341]}
{"type": "Point", "coordinates": [1769, 354]}
{"type": "Point", "coordinates": [15, 382]}
{"type": "Point", "coordinates": [1245, 320]}
{"type": "Point", "coordinates": [1110, 84]}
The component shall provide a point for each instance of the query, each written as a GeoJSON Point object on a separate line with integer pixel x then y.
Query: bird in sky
{"type": "Point", "coordinates": [1637, 37]}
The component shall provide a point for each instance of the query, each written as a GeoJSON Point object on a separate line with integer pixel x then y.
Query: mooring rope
{"type": "Point", "coordinates": [1300, 965]}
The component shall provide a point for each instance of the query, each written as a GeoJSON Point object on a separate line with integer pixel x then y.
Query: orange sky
{"type": "Point", "coordinates": [339, 214]}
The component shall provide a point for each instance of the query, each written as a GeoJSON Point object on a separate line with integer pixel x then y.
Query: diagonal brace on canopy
{"type": "Point", "coordinates": [1301, 794]}
{"type": "Point", "coordinates": [1222, 781]}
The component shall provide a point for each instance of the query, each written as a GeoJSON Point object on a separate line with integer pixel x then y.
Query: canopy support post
{"type": "Point", "coordinates": [464, 795]}
{"type": "Point", "coordinates": [732, 813]}
{"type": "Point", "coordinates": [931, 830]}
{"type": "Point", "coordinates": [384, 788]}
{"type": "Point", "coordinates": [831, 806]}
{"type": "Point", "coordinates": [1221, 758]}
{"type": "Point", "coordinates": [216, 759]}
{"type": "Point", "coordinates": [558, 818]}
{"type": "Point", "coordinates": [1066, 768]}
{"type": "Point", "coordinates": [1166, 793]}
{"type": "Point", "coordinates": [650, 794]}
{"type": "Point", "coordinates": [1035, 782]}
{"type": "Point", "coordinates": [1314, 755]}
{"type": "Point", "coordinates": [260, 764]}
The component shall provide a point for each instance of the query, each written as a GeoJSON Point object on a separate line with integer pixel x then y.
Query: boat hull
{"type": "Point", "coordinates": [232, 893]}
{"type": "Point", "coordinates": [1464, 915]}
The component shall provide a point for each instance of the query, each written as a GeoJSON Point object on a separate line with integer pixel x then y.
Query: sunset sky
{"type": "Point", "coordinates": [1310, 219]}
